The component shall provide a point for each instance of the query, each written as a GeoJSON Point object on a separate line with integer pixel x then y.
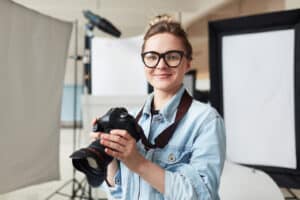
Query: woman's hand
{"type": "Point", "coordinates": [121, 145]}
{"type": "Point", "coordinates": [95, 135]}
{"type": "Point", "coordinates": [112, 167]}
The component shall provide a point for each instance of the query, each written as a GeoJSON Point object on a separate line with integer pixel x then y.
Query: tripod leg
{"type": "Point", "coordinates": [90, 193]}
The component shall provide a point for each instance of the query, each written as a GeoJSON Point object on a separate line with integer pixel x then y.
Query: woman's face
{"type": "Point", "coordinates": [162, 77]}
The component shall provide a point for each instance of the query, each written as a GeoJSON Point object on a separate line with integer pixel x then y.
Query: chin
{"type": "Point", "coordinates": [165, 87]}
{"type": "Point", "coordinates": [162, 84]}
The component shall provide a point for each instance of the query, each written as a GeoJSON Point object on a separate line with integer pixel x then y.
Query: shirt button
{"type": "Point", "coordinates": [171, 157]}
{"type": "Point", "coordinates": [118, 182]}
{"type": "Point", "coordinates": [160, 118]}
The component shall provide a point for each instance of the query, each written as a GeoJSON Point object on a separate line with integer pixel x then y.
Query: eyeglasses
{"type": "Point", "coordinates": [172, 58]}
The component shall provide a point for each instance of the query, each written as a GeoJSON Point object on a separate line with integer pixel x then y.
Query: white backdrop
{"type": "Point", "coordinates": [33, 51]}
{"type": "Point", "coordinates": [263, 66]}
{"type": "Point", "coordinates": [117, 67]}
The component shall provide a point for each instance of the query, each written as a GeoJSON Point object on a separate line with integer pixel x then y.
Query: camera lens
{"type": "Point", "coordinates": [92, 162]}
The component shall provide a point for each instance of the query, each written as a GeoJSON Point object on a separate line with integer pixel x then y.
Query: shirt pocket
{"type": "Point", "coordinates": [172, 158]}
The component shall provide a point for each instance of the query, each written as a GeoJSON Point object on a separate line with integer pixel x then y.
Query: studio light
{"type": "Point", "coordinates": [101, 23]}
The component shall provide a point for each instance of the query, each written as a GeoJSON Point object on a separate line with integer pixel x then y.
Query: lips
{"type": "Point", "coordinates": [162, 75]}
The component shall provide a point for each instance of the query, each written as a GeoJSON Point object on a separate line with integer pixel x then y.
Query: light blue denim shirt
{"type": "Point", "coordinates": [193, 159]}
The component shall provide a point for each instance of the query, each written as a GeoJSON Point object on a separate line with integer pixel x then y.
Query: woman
{"type": "Point", "coordinates": [182, 154]}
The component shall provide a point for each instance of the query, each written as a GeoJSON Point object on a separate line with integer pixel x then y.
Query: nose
{"type": "Point", "coordinates": [161, 64]}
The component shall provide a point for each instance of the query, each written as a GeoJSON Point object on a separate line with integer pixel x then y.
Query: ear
{"type": "Point", "coordinates": [188, 66]}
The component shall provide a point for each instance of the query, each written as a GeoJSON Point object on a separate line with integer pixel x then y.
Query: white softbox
{"type": "Point", "coordinates": [33, 51]}
{"type": "Point", "coordinates": [254, 73]}
{"type": "Point", "coordinates": [117, 67]}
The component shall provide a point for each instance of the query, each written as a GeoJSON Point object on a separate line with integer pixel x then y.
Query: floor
{"type": "Point", "coordinates": [48, 191]}
{"type": "Point", "coordinates": [293, 194]}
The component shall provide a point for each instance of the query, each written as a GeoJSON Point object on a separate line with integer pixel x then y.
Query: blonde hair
{"type": "Point", "coordinates": [166, 24]}
{"type": "Point", "coordinates": [161, 18]}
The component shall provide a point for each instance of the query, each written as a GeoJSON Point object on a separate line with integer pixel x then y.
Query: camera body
{"type": "Point", "coordinates": [93, 160]}
{"type": "Point", "coordinates": [118, 118]}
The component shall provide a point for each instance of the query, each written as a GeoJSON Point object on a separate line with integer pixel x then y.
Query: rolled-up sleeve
{"type": "Point", "coordinates": [199, 179]}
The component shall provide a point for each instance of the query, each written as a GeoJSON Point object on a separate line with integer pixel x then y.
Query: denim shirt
{"type": "Point", "coordinates": [193, 159]}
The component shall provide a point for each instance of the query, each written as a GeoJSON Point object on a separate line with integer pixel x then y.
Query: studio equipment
{"type": "Point", "coordinates": [255, 85]}
{"type": "Point", "coordinates": [103, 25]}
{"type": "Point", "coordinates": [93, 160]}
{"type": "Point", "coordinates": [33, 54]}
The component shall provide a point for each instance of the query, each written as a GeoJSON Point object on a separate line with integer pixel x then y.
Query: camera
{"type": "Point", "coordinates": [92, 160]}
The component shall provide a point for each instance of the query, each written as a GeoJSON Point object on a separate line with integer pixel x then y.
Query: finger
{"type": "Point", "coordinates": [95, 135]}
{"type": "Point", "coordinates": [112, 145]}
{"type": "Point", "coordinates": [122, 133]}
{"type": "Point", "coordinates": [113, 153]}
{"type": "Point", "coordinates": [114, 138]}
{"type": "Point", "coordinates": [94, 121]}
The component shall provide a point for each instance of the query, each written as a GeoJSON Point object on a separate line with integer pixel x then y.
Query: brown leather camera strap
{"type": "Point", "coordinates": [163, 138]}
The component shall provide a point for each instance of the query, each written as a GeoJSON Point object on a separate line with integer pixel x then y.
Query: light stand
{"type": "Point", "coordinates": [79, 190]}
{"type": "Point", "coordinates": [103, 25]}
{"type": "Point", "coordinates": [87, 56]}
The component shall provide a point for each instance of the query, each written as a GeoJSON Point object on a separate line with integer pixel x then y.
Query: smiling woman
{"type": "Point", "coordinates": [167, 74]}
{"type": "Point", "coordinates": [181, 154]}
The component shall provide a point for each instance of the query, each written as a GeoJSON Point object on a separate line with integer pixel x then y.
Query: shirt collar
{"type": "Point", "coordinates": [169, 110]}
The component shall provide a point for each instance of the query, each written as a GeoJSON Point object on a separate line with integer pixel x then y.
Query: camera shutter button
{"type": "Point", "coordinates": [123, 115]}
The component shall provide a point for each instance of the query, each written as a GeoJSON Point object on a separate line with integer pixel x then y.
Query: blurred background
{"type": "Point", "coordinates": [131, 17]}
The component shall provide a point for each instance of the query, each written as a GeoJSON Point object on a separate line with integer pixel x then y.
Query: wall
{"type": "Point", "coordinates": [292, 4]}
{"type": "Point", "coordinates": [198, 31]}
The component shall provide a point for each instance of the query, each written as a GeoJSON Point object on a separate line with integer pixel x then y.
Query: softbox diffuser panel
{"type": "Point", "coordinates": [33, 52]}
{"type": "Point", "coordinates": [259, 110]}
{"type": "Point", "coordinates": [255, 85]}
{"type": "Point", "coordinates": [117, 67]}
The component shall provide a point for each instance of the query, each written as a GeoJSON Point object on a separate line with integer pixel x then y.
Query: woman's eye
{"type": "Point", "coordinates": [151, 57]}
{"type": "Point", "coordinates": [172, 57]}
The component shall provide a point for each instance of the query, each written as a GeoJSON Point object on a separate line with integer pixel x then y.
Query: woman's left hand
{"type": "Point", "coordinates": [121, 145]}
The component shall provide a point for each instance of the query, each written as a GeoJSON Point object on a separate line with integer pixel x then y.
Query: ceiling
{"type": "Point", "coordinates": [130, 16]}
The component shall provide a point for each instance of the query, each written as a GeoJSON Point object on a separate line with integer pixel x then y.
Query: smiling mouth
{"type": "Point", "coordinates": [162, 75]}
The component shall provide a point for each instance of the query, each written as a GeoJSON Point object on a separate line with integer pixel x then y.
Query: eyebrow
{"type": "Point", "coordinates": [164, 51]}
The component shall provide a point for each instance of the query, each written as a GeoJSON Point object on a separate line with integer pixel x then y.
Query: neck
{"type": "Point", "coordinates": [162, 97]}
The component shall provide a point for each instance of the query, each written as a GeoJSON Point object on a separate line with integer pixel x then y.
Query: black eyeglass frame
{"type": "Point", "coordinates": [163, 55]}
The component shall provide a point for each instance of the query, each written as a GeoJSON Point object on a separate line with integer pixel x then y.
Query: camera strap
{"type": "Point", "coordinates": [163, 138]}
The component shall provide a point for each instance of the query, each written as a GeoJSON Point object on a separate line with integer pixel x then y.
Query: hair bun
{"type": "Point", "coordinates": [161, 18]}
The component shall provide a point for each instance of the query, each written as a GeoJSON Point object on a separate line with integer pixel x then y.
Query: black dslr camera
{"type": "Point", "coordinates": [93, 161]}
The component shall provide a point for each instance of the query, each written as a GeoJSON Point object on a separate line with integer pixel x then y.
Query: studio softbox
{"type": "Point", "coordinates": [33, 52]}
{"type": "Point", "coordinates": [117, 67]}
{"type": "Point", "coordinates": [255, 85]}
